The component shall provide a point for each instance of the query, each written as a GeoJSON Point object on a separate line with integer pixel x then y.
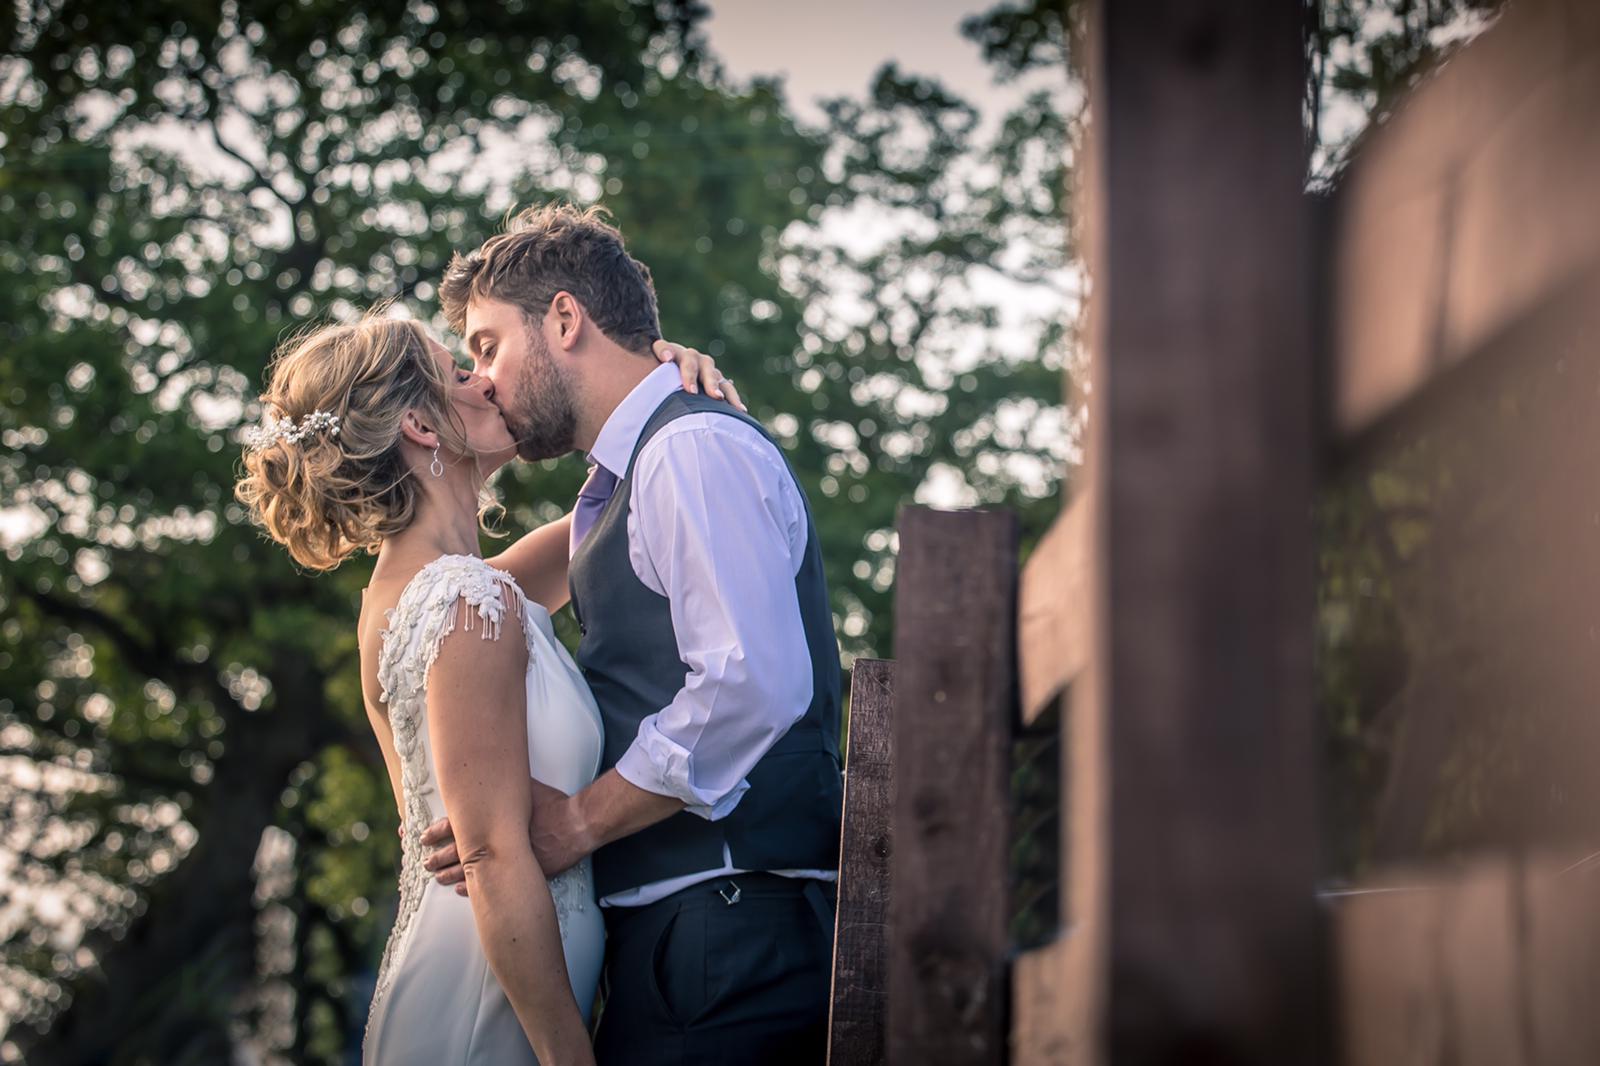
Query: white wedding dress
{"type": "Point", "coordinates": [437, 1002]}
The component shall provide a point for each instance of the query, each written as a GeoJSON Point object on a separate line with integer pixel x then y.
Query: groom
{"type": "Point", "coordinates": [707, 638]}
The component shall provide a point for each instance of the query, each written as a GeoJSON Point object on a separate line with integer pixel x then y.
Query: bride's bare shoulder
{"type": "Point", "coordinates": [378, 601]}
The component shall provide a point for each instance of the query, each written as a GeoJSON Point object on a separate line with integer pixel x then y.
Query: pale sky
{"type": "Point", "coordinates": [833, 47]}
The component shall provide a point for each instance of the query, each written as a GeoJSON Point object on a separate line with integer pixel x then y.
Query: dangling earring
{"type": "Point", "coordinates": [436, 468]}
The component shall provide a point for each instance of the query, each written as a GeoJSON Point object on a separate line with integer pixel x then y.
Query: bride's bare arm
{"type": "Point", "coordinates": [477, 720]}
{"type": "Point", "coordinates": [538, 559]}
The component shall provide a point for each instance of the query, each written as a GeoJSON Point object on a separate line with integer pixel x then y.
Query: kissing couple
{"type": "Point", "coordinates": [659, 820]}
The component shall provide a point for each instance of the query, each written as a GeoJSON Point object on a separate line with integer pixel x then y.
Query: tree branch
{"type": "Point", "coordinates": [214, 111]}
{"type": "Point", "coordinates": [152, 660]}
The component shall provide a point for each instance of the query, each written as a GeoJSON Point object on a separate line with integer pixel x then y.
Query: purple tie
{"type": "Point", "coordinates": [591, 501]}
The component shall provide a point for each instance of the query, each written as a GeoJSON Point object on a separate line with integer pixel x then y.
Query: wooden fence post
{"type": "Point", "coordinates": [1202, 342]}
{"type": "Point", "coordinates": [1465, 274]}
{"type": "Point", "coordinates": [1490, 962]}
{"type": "Point", "coordinates": [860, 940]}
{"type": "Point", "coordinates": [955, 706]}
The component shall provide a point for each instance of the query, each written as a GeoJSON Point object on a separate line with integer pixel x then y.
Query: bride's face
{"type": "Point", "coordinates": [473, 399]}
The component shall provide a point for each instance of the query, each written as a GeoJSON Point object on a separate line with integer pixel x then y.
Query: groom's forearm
{"type": "Point", "coordinates": [613, 807]}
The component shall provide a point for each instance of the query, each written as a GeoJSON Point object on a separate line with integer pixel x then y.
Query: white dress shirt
{"type": "Point", "coordinates": [717, 526]}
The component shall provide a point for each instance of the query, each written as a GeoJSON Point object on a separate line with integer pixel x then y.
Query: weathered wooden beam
{"type": "Point", "coordinates": [1202, 342]}
{"type": "Point", "coordinates": [1053, 615]}
{"type": "Point", "coordinates": [1468, 210]}
{"type": "Point", "coordinates": [1058, 991]}
{"type": "Point", "coordinates": [860, 940]}
{"type": "Point", "coordinates": [1495, 963]}
{"type": "Point", "coordinates": [955, 706]}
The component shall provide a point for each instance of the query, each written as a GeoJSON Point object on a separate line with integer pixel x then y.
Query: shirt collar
{"type": "Point", "coordinates": [613, 447]}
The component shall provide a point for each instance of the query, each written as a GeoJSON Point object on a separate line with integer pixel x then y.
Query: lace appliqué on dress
{"type": "Point", "coordinates": [425, 614]}
{"type": "Point", "coordinates": [571, 891]}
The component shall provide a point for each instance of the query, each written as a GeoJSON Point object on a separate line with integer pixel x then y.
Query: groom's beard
{"type": "Point", "coordinates": [543, 421]}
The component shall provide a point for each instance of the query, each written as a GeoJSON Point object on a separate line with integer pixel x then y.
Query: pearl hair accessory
{"type": "Point", "coordinates": [273, 430]}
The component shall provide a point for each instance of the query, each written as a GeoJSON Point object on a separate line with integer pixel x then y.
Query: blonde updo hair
{"type": "Point", "coordinates": [328, 496]}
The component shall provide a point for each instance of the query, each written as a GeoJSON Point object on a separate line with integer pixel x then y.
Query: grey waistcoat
{"type": "Point", "coordinates": [789, 818]}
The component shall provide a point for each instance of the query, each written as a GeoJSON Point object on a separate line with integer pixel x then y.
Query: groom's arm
{"type": "Point", "coordinates": [720, 532]}
{"type": "Point", "coordinates": [563, 830]}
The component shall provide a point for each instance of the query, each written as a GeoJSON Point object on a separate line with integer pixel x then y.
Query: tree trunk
{"type": "Point", "coordinates": [164, 993]}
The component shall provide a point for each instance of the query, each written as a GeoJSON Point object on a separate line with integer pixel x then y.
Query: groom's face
{"type": "Point", "coordinates": [532, 391]}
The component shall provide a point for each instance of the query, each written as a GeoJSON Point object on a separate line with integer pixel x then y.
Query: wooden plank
{"type": "Point", "coordinates": [1558, 935]}
{"type": "Point", "coordinates": [1053, 617]}
{"type": "Point", "coordinates": [1041, 1034]}
{"type": "Point", "coordinates": [1059, 990]}
{"type": "Point", "coordinates": [1488, 743]}
{"type": "Point", "coordinates": [1468, 210]}
{"type": "Point", "coordinates": [860, 941]}
{"type": "Point", "coordinates": [1495, 963]}
{"type": "Point", "coordinates": [955, 703]}
{"type": "Point", "coordinates": [1202, 341]}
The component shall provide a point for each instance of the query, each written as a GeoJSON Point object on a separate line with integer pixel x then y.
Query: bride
{"type": "Point", "coordinates": [376, 440]}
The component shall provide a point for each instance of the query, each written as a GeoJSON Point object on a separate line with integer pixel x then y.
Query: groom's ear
{"type": "Point", "coordinates": [568, 317]}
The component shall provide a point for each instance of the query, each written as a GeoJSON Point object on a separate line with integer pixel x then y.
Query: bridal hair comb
{"type": "Point", "coordinates": [271, 430]}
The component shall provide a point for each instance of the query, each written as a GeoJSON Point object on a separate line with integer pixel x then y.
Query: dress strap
{"type": "Point", "coordinates": [450, 588]}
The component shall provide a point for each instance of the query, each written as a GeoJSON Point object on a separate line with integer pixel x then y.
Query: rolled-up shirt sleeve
{"type": "Point", "coordinates": [718, 528]}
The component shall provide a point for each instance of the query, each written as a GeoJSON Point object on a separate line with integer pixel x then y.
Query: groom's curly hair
{"type": "Point", "coordinates": [555, 248]}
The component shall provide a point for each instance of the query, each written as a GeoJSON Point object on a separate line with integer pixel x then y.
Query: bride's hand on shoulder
{"type": "Point", "coordinates": [699, 372]}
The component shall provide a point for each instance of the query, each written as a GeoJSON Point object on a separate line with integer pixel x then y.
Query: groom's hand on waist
{"type": "Point", "coordinates": [444, 861]}
{"type": "Point", "coordinates": [554, 831]}
{"type": "Point", "coordinates": [563, 829]}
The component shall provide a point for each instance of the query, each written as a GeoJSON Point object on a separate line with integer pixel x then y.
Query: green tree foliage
{"type": "Point", "coordinates": [198, 840]}
{"type": "Point", "coordinates": [1363, 55]}
{"type": "Point", "coordinates": [910, 397]}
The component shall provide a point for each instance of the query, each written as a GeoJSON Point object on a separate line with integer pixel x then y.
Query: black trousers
{"type": "Point", "coordinates": [731, 972]}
